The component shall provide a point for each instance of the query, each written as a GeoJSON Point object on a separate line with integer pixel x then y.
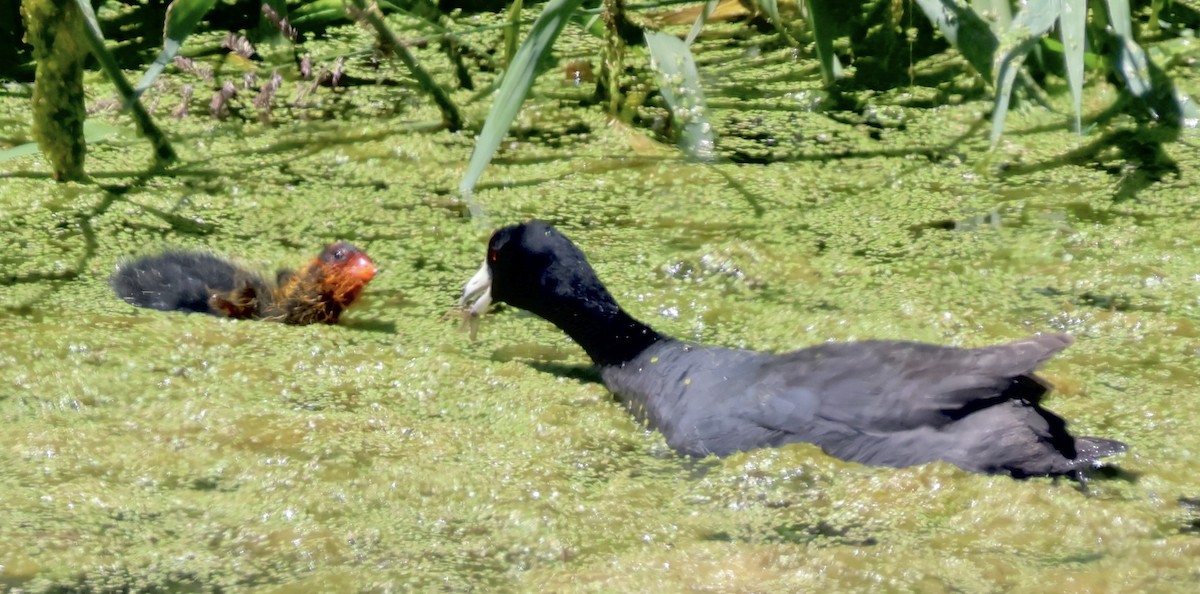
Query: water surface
{"type": "Point", "coordinates": [144, 450]}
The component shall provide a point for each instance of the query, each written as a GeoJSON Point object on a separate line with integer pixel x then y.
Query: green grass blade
{"type": "Point", "coordinates": [965, 30]}
{"type": "Point", "coordinates": [518, 79]}
{"type": "Point", "coordinates": [1118, 18]}
{"type": "Point", "coordinates": [1006, 75]}
{"type": "Point", "coordinates": [771, 7]}
{"type": "Point", "coordinates": [821, 21]}
{"type": "Point", "coordinates": [1139, 74]}
{"type": "Point", "coordinates": [1029, 26]}
{"type": "Point", "coordinates": [182, 18]}
{"type": "Point", "coordinates": [679, 83]}
{"type": "Point", "coordinates": [1072, 26]}
{"type": "Point", "coordinates": [513, 32]}
{"type": "Point", "coordinates": [709, 6]}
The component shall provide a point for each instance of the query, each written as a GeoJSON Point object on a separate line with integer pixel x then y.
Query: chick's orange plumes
{"type": "Point", "coordinates": [326, 287]}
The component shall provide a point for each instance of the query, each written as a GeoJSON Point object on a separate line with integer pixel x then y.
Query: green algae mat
{"type": "Point", "coordinates": [151, 451]}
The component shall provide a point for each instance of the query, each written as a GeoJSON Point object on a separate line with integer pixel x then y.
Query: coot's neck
{"type": "Point", "coordinates": [610, 336]}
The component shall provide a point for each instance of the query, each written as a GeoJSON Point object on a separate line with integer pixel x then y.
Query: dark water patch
{"type": "Point", "coordinates": [691, 234]}
{"type": "Point", "coordinates": [379, 326]}
{"type": "Point", "coordinates": [1086, 212]}
{"type": "Point", "coordinates": [570, 133]}
{"type": "Point", "coordinates": [982, 221]}
{"type": "Point", "coordinates": [822, 531]}
{"type": "Point", "coordinates": [539, 352]}
{"type": "Point", "coordinates": [1136, 158]}
{"type": "Point", "coordinates": [1107, 472]}
{"type": "Point", "coordinates": [1117, 302]}
{"type": "Point", "coordinates": [1191, 507]}
{"type": "Point", "coordinates": [127, 580]}
{"type": "Point", "coordinates": [589, 374]}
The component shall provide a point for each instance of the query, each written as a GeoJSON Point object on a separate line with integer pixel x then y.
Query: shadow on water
{"type": "Point", "coordinates": [1191, 525]}
{"type": "Point", "coordinates": [584, 374]}
{"type": "Point", "coordinates": [800, 533]}
{"type": "Point", "coordinates": [82, 221]}
{"type": "Point", "coordinates": [1119, 302]}
{"type": "Point", "coordinates": [377, 326]}
{"type": "Point", "coordinates": [180, 582]}
{"type": "Point", "coordinates": [1137, 157]}
{"type": "Point", "coordinates": [1112, 472]}
{"type": "Point", "coordinates": [116, 192]}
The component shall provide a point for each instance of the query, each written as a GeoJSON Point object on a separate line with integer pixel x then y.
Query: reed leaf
{"type": "Point", "coordinates": [518, 79]}
{"type": "Point", "coordinates": [313, 13]}
{"type": "Point", "coordinates": [1072, 27]}
{"type": "Point", "coordinates": [965, 30]}
{"type": "Point", "coordinates": [513, 32]}
{"type": "Point", "coordinates": [999, 12]}
{"type": "Point", "coordinates": [1134, 67]}
{"type": "Point", "coordinates": [679, 83]}
{"type": "Point", "coordinates": [1034, 20]}
{"type": "Point", "coordinates": [709, 6]}
{"type": "Point", "coordinates": [182, 18]}
{"type": "Point", "coordinates": [821, 21]}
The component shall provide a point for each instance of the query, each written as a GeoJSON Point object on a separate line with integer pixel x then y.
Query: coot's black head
{"type": "Point", "coordinates": [534, 267]}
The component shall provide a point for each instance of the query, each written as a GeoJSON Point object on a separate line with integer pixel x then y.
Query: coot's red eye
{"type": "Point", "coordinates": [493, 256]}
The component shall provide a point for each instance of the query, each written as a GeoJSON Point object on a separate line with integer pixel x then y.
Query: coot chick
{"type": "Point", "coordinates": [204, 283]}
{"type": "Point", "coordinates": [880, 402]}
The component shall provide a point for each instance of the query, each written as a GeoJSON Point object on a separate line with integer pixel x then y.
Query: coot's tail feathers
{"type": "Point", "coordinates": [972, 379]}
{"type": "Point", "coordinates": [1091, 449]}
{"type": "Point", "coordinates": [1023, 356]}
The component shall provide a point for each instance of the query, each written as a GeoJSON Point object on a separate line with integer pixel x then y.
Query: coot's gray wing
{"type": "Point", "coordinates": [880, 403]}
{"type": "Point", "coordinates": [883, 386]}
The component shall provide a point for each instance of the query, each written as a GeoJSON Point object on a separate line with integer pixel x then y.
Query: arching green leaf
{"type": "Point", "coordinates": [679, 83]}
{"type": "Point", "coordinates": [182, 18]}
{"type": "Point", "coordinates": [518, 79]}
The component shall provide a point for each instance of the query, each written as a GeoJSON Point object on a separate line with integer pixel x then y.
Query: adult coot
{"type": "Point", "coordinates": [889, 403]}
{"type": "Point", "coordinates": [202, 282]}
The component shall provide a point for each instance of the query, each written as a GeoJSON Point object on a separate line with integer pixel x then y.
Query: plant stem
{"type": "Point", "coordinates": [450, 114]}
{"type": "Point", "coordinates": [164, 154]}
{"type": "Point", "coordinates": [53, 29]}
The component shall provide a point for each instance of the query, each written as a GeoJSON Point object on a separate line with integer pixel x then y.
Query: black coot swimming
{"type": "Point", "coordinates": [888, 403]}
